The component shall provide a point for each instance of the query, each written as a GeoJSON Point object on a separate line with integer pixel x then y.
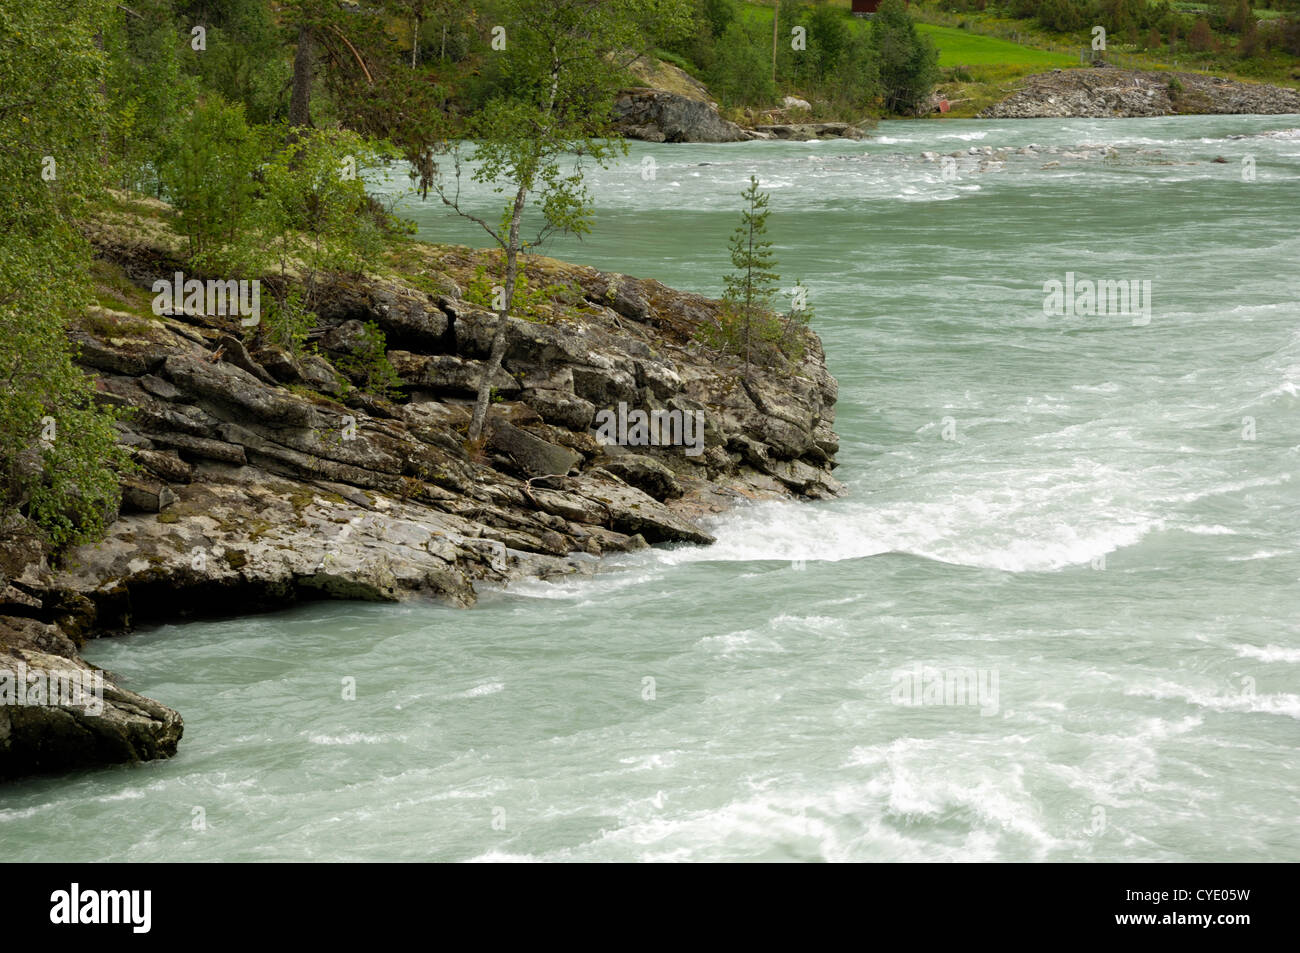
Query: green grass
{"type": "Point", "coordinates": [980, 70]}
{"type": "Point", "coordinates": [962, 48]}
{"type": "Point", "coordinates": [1276, 68]}
{"type": "Point", "coordinates": [956, 47]}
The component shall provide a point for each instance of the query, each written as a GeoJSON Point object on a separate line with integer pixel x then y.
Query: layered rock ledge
{"type": "Point", "coordinates": [266, 477]}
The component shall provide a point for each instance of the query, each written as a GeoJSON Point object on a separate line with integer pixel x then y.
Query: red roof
{"type": "Point", "coordinates": [866, 6]}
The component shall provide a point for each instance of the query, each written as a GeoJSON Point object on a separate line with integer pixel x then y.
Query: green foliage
{"type": "Point", "coordinates": [530, 303]}
{"type": "Point", "coordinates": [835, 68]}
{"type": "Point", "coordinates": [313, 206]}
{"type": "Point", "coordinates": [908, 62]}
{"type": "Point", "coordinates": [244, 61]}
{"type": "Point", "coordinates": [746, 322]}
{"type": "Point", "coordinates": [838, 67]}
{"type": "Point", "coordinates": [286, 322]}
{"type": "Point", "coordinates": [446, 36]}
{"type": "Point", "coordinates": [696, 49]}
{"type": "Point", "coordinates": [367, 363]}
{"type": "Point", "coordinates": [748, 325]}
{"type": "Point", "coordinates": [58, 449]}
{"type": "Point", "coordinates": [742, 71]}
{"type": "Point", "coordinates": [208, 177]}
{"type": "Point", "coordinates": [718, 15]}
{"type": "Point", "coordinates": [246, 203]}
{"type": "Point", "coordinates": [149, 93]}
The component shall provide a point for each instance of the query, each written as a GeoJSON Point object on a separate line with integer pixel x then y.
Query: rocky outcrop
{"type": "Point", "coordinates": [1108, 92]}
{"type": "Point", "coordinates": [670, 105]}
{"type": "Point", "coordinates": [57, 712]}
{"type": "Point", "coordinates": [656, 115]}
{"type": "Point", "coordinates": [265, 477]}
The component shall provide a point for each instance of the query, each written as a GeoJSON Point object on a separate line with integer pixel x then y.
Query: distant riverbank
{"type": "Point", "coordinates": [686, 113]}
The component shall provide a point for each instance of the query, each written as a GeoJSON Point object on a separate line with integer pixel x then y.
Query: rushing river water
{"type": "Point", "coordinates": [1096, 518]}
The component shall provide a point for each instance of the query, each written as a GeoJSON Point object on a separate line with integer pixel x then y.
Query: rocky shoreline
{"type": "Point", "coordinates": [672, 106]}
{"type": "Point", "coordinates": [656, 115]}
{"type": "Point", "coordinates": [267, 478]}
{"type": "Point", "coordinates": [1108, 92]}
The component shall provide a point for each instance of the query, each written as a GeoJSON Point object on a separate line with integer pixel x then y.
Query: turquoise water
{"type": "Point", "coordinates": [1099, 534]}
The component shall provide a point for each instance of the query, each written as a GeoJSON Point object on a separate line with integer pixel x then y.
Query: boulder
{"type": "Point", "coordinates": [58, 713]}
{"type": "Point", "coordinates": [644, 473]}
{"type": "Point", "coordinates": [236, 388]}
{"type": "Point", "coordinates": [232, 351]}
{"type": "Point", "coordinates": [532, 454]}
{"type": "Point", "coordinates": [655, 115]}
{"type": "Point", "coordinates": [560, 408]}
{"type": "Point", "coordinates": [141, 494]}
{"type": "Point", "coordinates": [604, 387]}
{"type": "Point", "coordinates": [448, 373]}
{"type": "Point", "coordinates": [409, 321]}
{"type": "Point", "coordinates": [812, 130]}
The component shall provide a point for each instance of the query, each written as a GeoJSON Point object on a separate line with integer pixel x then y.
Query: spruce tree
{"type": "Point", "coordinates": [747, 301]}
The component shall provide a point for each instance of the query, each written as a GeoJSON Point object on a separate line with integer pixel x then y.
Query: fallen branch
{"type": "Point", "coordinates": [360, 62]}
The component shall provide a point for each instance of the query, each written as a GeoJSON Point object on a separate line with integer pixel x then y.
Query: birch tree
{"type": "Point", "coordinates": [564, 63]}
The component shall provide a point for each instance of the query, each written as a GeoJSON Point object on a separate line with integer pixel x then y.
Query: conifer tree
{"type": "Point", "coordinates": [747, 301]}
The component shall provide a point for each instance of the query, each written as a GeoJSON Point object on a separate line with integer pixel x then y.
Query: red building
{"type": "Point", "coordinates": [865, 8]}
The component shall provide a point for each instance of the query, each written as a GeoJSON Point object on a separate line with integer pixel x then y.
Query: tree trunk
{"type": "Point", "coordinates": [303, 61]}
{"type": "Point", "coordinates": [503, 320]}
{"type": "Point", "coordinates": [103, 95]}
{"type": "Point", "coordinates": [415, 42]}
{"type": "Point", "coordinates": [512, 271]}
{"type": "Point", "coordinates": [749, 287]}
{"type": "Point", "coordinates": [776, 18]}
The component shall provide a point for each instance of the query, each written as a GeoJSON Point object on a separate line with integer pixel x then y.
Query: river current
{"type": "Point", "coordinates": [1056, 618]}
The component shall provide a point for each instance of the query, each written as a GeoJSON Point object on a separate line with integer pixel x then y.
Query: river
{"type": "Point", "coordinates": [1086, 528]}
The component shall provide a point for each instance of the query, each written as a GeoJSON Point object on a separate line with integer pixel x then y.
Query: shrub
{"type": "Point", "coordinates": [208, 176]}
{"type": "Point", "coordinates": [368, 364]}
{"type": "Point", "coordinates": [908, 62]}
{"type": "Point", "coordinates": [314, 209]}
{"type": "Point", "coordinates": [287, 323]}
